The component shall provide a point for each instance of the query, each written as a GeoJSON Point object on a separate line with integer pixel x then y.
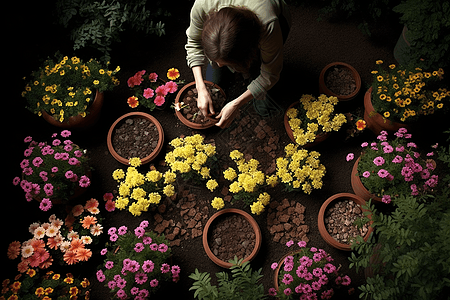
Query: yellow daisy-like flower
{"type": "Point", "coordinates": [217, 203]}
{"type": "Point", "coordinates": [257, 208]}
{"type": "Point", "coordinates": [230, 174]}
{"type": "Point", "coordinates": [379, 62]}
{"type": "Point", "coordinates": [212, 184]}
{"type": "Point", "coordinates": [380, 78]}
{"type": "Point", "coordinates": [135, 162]}
{"type": "Point", "coordinates": [169, 177]}
{"type": "Point", "coordinates": [169, 190]}
{"type": "Point", "coordinates": [387, 114]}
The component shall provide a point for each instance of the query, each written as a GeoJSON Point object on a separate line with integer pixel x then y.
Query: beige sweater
{"type": "Point", "coordinates": [271, 43]}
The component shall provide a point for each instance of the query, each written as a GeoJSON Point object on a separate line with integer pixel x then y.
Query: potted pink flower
{"type": "Point", "coordinates": [66, 241]}
{"type": "Point", "coordinates": [389, 168]}
{"type": "Point", "coordinates": [136, 263]}
{"type": "Point", "coordinates": [151, 91]}
{"type": "Point", "coordinates": [55, 172]}
{"type": "Point", "coordinates": [307, 273]}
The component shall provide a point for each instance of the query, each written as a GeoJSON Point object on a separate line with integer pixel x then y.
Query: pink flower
{"type": "Point", "coordinates": [163, 248]}
{"type": "Point", "coordinates": [68, 148]}
{"type": "Point", "coordinates": [48, 189]}
{"type": "Point", "coordinates": [73, 161]}
{"type": "Point", "coordinates": [16, 180]}
{"type": "Point", "coordinates": [65, 133]}
{"type": "Point", "coordinates": [272, 292]}
{"type": "Point", "coordinates": [140, 278]}
{"type": "Point", "coordinates": [148, 93]}
{"type": "Point", "coordinates": [109, 265]}
{"type": "Point", "coordinates": [139, 231]}
{"type": "Point", "coordinates": [386, 199]}
{"type": "Point", "coordinates": [350, 156]}
{"type": "Point", "coordinates": [378, 161]}
{"type": "Point", "coordinates": [55, 169]}
{"type": "Point", "coordinates": [100, 276]}
{"type": "Point", "coordinates": [329, 268]}
{"type": "Point", "coordinates": [388, 149]}
{"type": "Point", "coordinates": [316, 285]}
{"type": "Point", "coordinates": [317, 272]}
{"type": "Point", "coordinates": [28, 139]}
{"type": "Point", "coordinates": [154, 283]}
{"type": "Point", "coordinates": [411, 144]}
{"type": "Point", "coordinates": [346, 280]}
{"type": "Point", "coordinates": [287, 291]}
{"type": "Point", "coordinates": [46, 204]}
{"type": "Point", "coordinates": [69, 174]}
{"type": "Point", "coordinates": [84, 181]}
{"type": "Point", "coordinates": [366, 174]}
{"type": "Point", "coordinates": [113, 237]}
{"type": "Point", "coordinates": [153, 77]}
{"type": "Point", "coordinates": [28, 152]}
{"type": "Point", "coordinates": [165, 268]}
{"type": "Point", "coordinates": [112, 230]}
{"type": "Point", "coordinates": [365, 144]}
{"type": "Point", "coordinates": [37, 161]}
{"type": "Point", "coordinates": [144, 224]}
{"type": "Point", "coordinates": [382, 173]}
{"type": "Point", "coordinates": [159, 100]}
{"type": "Point", "coordinates": [161, 90]}
{"type": "Point", "coordinates": [397, 159]}
{"type": "Point", "coordinates": [122, 230]}
{"type": "Point", "coordinates": [147, 240]}
{"type": "Point", "coordinates": [171, 87]}
{"type": "Point", "coordinates": [301, 244]}
{"type": "Point", "coordinates": [274, 266]}
{"type": "Point", "coordinates": [290, 243]}
{"type": "Point", "coordinates": [148, 266]}
{"type": "Point", "coordinates": [138, 247]}
{"type": "Point", "coordinates": [104, 251]}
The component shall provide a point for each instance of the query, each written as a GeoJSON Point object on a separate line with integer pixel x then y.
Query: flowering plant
{"type": "Point", "coordinates": [389, 169]}
{"type": "Point", "coordinates": [32, 285]}
{"type": "Point", "coordinates": [249, 181]}
{"type": "Point", "coordinates": [313, 117]}
{"type": "Point", "coordinates": [193, 159]}
{"type": "Point", "coordinates": [404, 94]}
{"type": "Point", "coordinates": [53, 171]}
{"type": "Point", "coordinates": [142, 190]}
{"type": "Point", "coordinates": [300, 169]}
{"type": "Point", "coordinates": [149, 91]}
{"type": "Point", "coordinates": [136, 263]}
{"type": "Point", "coordinates": [307, 274]}
{"type": "Point", "coordinates": [65, 87]}
{"type": "Point", "coordinates": [66, 241]}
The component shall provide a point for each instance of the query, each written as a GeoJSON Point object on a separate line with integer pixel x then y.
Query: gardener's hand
{"type": "Point", "coordinates": [204, 102]}
{"type": "Point", "coordinates": [227, 114]}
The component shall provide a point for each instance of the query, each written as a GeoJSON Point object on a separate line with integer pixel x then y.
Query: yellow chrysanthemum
{"type": "Point", "coordinates": [212, 184]}
{"type": "Point", "coordinates": [217, 203]}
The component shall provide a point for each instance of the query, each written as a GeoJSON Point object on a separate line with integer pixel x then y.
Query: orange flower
{"type": "Point", "coordinates": [68, 279]}
{"type": "Point", "coordinates": [37, 244]}
{"type": "Point", "coordinates": [84, 254]}
{"type": "Point", "coordinates": [360, 124]}
{"type": "Point", "coordinates": [14, 250]}
{"type": "Point", "coordinates": [133, 102]}
{"type": "Point", "coordinates": [88, 221]}
{"type": "Point", "coordinates": [76, 244]}
{"type": "Point", "coordinates": [54, 242]}
{"type": "Point", "coordinates": [93, 203]}
{"type": "Point", "coordinates": [173, 74]}
{"type": "Point", "coordinates": [70, 257]}
{"type": "Point", "coordinates": [73, 291]}
{"type": "Point", "coordinates": [39, 292]}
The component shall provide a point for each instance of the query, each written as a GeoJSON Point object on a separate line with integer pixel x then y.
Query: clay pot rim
{"type": "Point", "coordinates": [319, 138]}
{"type": "Point", "coordinates": [355, 74]}
{"type": "Point", "coordinates": [186, 121]}
{"type": "Point", "coordinates": [142, 115]}
{"type": "Point", "coordinates": [321, 222]}
{"type": "Point", "coordinates": [375, 199]}
{"type": "Point", "coordinates": [252, 222]}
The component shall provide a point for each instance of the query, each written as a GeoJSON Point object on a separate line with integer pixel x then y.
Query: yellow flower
{"type": "Point", "coordinates": [169, 190]}
{"type": "Point", "coordinates": [440, 105]}
{"type": "Point", "coordinates": [230, 174]}
{"type": "Point", "coordinates": [155, 198]}
{"type": "Point", "coordinates": [96, 82]}
{"type": "Point", "coordinates": [392, 66]}
{"type": "Point", "coordinates": [272, 180]}
{"type": "Point", "coordinates": [217, 203]}
{"type": "Point", "coordinates": [135, 162]}
{"type": "Point", "coordinates": [169, 177]}
{"type": "Point", "coordinates": [382, 97]}
{"type": "Point", "coordinates": [153, 176]}
{"type": "Point", "coordinates": [236, 155]}
{"type": "Point", "coordinates": [380, 78]}
{"type": "Point", "coordinates": [118, 174]}
{"type": "Point", "coordinates": [386, 114]}
{"type": "Point", "coordinates": [379, 62]}
{"type": "Point", "coordinates": [257, 208]}
{"type": "Point", "coordinates": [173, 73]}
{"type": "Point", "coordinates": [264, 198]}
{"type": "Point", "coordinates": [101, 71]}
{"type": "Point", "coordinates": [212, 184]}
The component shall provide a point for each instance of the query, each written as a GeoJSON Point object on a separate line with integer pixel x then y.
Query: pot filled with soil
{"type": "Point", "coordinates": [231, 232]}
{"type": "Point", "coordinates": [135, 134]}
{"type": "Point", "coordinates": [341, 80]}
{"type": "Point", "coordinates": [337, 218]}
{"type": "Point", "coordinates": [186, 105]}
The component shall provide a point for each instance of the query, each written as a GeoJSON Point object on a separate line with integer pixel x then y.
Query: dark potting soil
{"type": "Point", "coordinates": [231, 235]}
{"type": "Point", "coordinates": [340, 81]}
{"type": "Point", "coordinates": [192, 113]}
{"type": "Point", "coordinates": [135, 137]}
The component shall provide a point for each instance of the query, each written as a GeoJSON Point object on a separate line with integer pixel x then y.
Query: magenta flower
{"type": "Point", "coordinates": [272, 292]}
{"type": "Point", "coordinates": [69, 174]}
{"type": "Point", "coordinates": [411, 144]}
{"type": "Point", "coordinates": [397, 159]}
{"type": "Point", "coordinates": [56, 142]}
{"type": "Point", "coordinates": [78, 153]}
{"type": "Point", "coordinates": [350, 156]}
{"type": "Point", "coordinates": [366, 174]}
{"type": "Point", "coordinates": [85, 181]}
{"type": "Point", "coordinates": [46, 204]}
{"type": "Point", "coordinates": [154, 283]}
{"type": "Point", "coordinates": [28, 152]}
{"type": "Point", "coordinates": [165, 268]}
{"type": "Point", "coordinates": [139, 232]}
{"type": "Point", "coordinates": [16, 180]}
{"type": "Point", "coordinates": [28, 139]}
{"type": "Point", "coordinates": [163, 248]}
{"type": "Point", "coordinates": [112, 230]}
{"type": "Point", "coordinates": [290, 243]}
{"type": "Point", "coordinates": [144, 224]}
{"type": "Point", "coordinates": [171, 87]}
{"type": "Point", "coordinates": [138, 247]}
{"type": "Point", "coordinates": [100, 276]}
{"type": "Point", "coordinates": [274, 266]}
{"type": "Point", "coordinates": [386, 199]}
{"type": "Point", "coordinates": [388, 149]}
{"type": "Point", "coordinates": [24, 163]}
{"type": "Point", "coordinates": [301, 244]}
{"type": "Point", "coordinates": [148, 266]}
{"type": "Point", "coordinates": [109, 264]}
{"type": "Point", "coordinates": [68, 148]}
{"type": "Point", "coordinates": [346, 280]}
{"type": "Point", "coordinates": [316, 285]}
{"type": "Point", "coordinates": [317, 272]}
{"type": "Point", "coordinates": [329, 268]}
{"type": "Point", "coordinates": [37, 161]}
{"type": "Point", "coordinates": [113, 237]}
{"type": "Point", "coordinates": [154, 247]}
{"type": "Point", "coordinates": [122, 230]}
{"type": "Point", "coordinates": [399, 148]}
{"type": "Point", "coordinates": [48, 189]}
{"type": "Point", "coordinates": [148, 93]}
{"type": "Point", "coordinates": [140, 278]}
{"type": "Point", "coordinates": [65, 133]}
{"type": "Point", "coordinates": [112, 284]}
{"type": "Point", "coordinates": [287, 291]}
{"type": "Point", "coordinates": [104, 251]}
{"type": "Point", "coordinates": [382, 173]}
{"type": "Point", "coordinates": [175, 270]}
{"type": "Point", "coordinates": [147, 240]}
{"type": "Point", "coordinates": [378, 161]}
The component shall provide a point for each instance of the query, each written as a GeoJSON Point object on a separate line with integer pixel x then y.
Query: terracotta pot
{"type": "Point", "coordinates": [323, 89]}
{"type": "Point", "coordinates": [146, 159]}
{"type": "Point", "coordinates": [375, 122]}
{"type": "Point", "coordinates": [92, 115]}
{"type": "Point", "coordinates": [277, 270]}
{"type": "Point", "coordinates": [321, 222]}
{"type": "Point", "coordinates": [358, 187]}
{"type": "Point", "coordinates": [179, 98]}
{"type": "Point", "coordinates": [319, 138]}
{"type": "Point", "coordinates": [252, 222]}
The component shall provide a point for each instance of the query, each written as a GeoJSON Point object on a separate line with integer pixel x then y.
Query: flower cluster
{"type": "Point", "coordinates": [66, 87]}
{"type": "Point", "coordinates": [314, 117]}
{"type": "Point", "coordinates": [63, 240]}
{"type": "Point", "coordinates": [52, 171]}
{"type": "Point", "coordinates": [388, 169]}
{"type": "Point", "coordinates": [149, 91]}
{"type": "Point", "coordinates": [136, 263]}
{"type": "Point", "coordinates": [247, 182]}
{"type": "Point", "coordinates": [193, 159]}
{"type": "Point", "coordinates": [404, 94]}
{"type": "Point", "coordinates": [32, 285]}
{"type": "Point", "coordinates": [307, 273]}
{"type": "Point", "coordinates": [300, 169]}
{"type": "Point", "coordinates": [138, 191]}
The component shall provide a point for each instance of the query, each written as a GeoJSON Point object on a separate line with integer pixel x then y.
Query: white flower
{"type": "Point", "coordinates": [72, 235]}
{"type": "Point", "coordinates": [27, 251]}
{"type": "Point", "coordinates": [39, 233]}
{"type": "Point", "coordinates": [64, 246]}
{"type": "Point", "coordinates": [86, 239]}
{"type": "Point", "coordinates": [96, 229]}
{"type": "Point", "coordinates": [33, 227]}
{"type": "Point", "coordinates": [51, 231]}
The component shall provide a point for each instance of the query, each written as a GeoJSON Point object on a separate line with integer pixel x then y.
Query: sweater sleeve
{"type": "Point", "coordinates": [195, 55]}
{"type": "Point", "coordinates": [271, 61]}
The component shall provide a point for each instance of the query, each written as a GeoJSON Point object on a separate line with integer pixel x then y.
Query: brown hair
{"type": "Point", "coordinates": [232, 35]}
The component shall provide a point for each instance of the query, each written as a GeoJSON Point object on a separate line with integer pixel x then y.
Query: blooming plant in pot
{"type": "Point", "coordinates": [193, 159]}
{"type": "Point", "coordinates": [404, 94]}
{"type": "Point", "coordinates": [53, 171]}
{"type": "Point", "coordinates": [388, 169]}
{"type": "Point", "coordinates": [312, 117]}
{"type": "Point", "coordinates": [65, 88]}
{"type": "Point", "coordinates": [307, 273]}
{"type": "Point", "coordinates": [33, 285]}
{"type": "Point", "coordinates": [300, 169]}
{"type": "Point", "coordinates": [65, 241]}
{"type": "Point", "coordinates": [149, 91]}
{"type": "Point", "coordinates": [138, 191]}
{"type": "Point", "coordinates": [248, 182]}
{"type": "Point", "coordinates": [136, 262]}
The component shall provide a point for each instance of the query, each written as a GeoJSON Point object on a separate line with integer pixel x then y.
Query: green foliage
{"type": "Point", "coordinates": [409, 257]}
{"type": "Point", "coordinates": [428, 24]}
{"type": "Point", "coordinates": [243, 285]}
{"type": "Point", "coordinates": [99, 24]}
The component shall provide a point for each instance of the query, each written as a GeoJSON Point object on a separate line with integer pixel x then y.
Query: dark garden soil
{"type": "Point", "coordinates": [231, 235]}
{"type": "Point", "coordinates": [135, 137]}
{"type": "Point", "coordinates": [340, 81]}
{"type": "Point", "coordinates": [192, 113]}
{"type": "Point", "coordinates": [311, 46]}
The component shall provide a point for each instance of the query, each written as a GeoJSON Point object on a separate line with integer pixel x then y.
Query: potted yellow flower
{"type": "Point", "coordinates": [311, 120]}
{"type": "Point", "coordinates": [65, 90]}
{"type": "Point", "coordinates": [401, 95]}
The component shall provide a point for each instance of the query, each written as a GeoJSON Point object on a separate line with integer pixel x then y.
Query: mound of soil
{"type": "Point", "coordinates": [192, 113]}
{"type": "Point", "coordinates": [340, 81]}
